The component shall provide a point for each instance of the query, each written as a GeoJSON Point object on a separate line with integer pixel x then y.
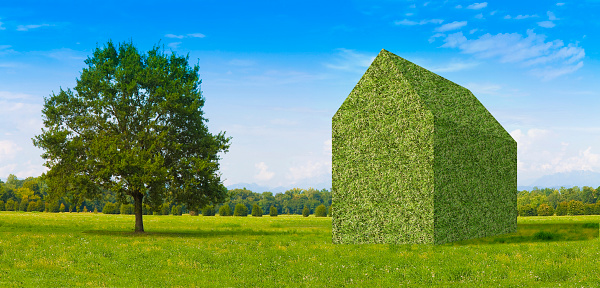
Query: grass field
{"type": "Point", "coordinates": [97, 250]}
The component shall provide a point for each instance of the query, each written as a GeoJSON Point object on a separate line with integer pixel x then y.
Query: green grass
{"type": "Point", "coordinates": [96, 250]}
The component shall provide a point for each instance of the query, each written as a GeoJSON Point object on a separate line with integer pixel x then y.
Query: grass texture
{"type": "Point", "coordinates": [97, 250]}
{"type": "Point", "coordinates": [418, 159]}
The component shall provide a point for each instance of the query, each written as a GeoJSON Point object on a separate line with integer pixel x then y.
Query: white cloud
{"type": "Point", "coordinates": [309, 169]}
{"type": "Point", "coordinates": [458, 6]}
{"type": "Point", "coordinates": [8, 149]}
{"type": "Point", "coordinates": [327, 147]}
{"type": "Point", "coordinates": [2, 27]}
{"type": "Point", "coordinates": [28, 27]}
{"type": "Point", "coordinates": [550, 73]}
{"type": "Point", "coordinates": [437, 35]}
{"type": "Point", "coordinates": [175, 36]}
{"type": "Point", "coordinates": [351, 60]}
{"type": "Point", "coordinates": [451, 26]}
{"type": "Point", "coordinates": [479, 16]}
{"type": "Point", "coordinates": [551, 16]}
{"type": "Point", "coordinates": [196, 35]}
{"type": "Point", "coordinates": [493, 12]}
{"type": "Point", "coordinates": [519, 17]}
{"type": "Point", "coordinates": [507, 17]}
{"type": "Point", "coordinates": [560, 4]}
{"type": "Point", "coordinates": [191, 35]}
{"type": "Point", "coordinates": [473, 31]}
{"type": "Point", "coordinates": [407, 22]}
{"type": "Point", "coordinates": [528, 51]}
{"type": "Point", "coordinates": [263, 174]}
{"type": "Point", "coordinates": [454, 66]}
{"type": "Point", "coordinates": [174, 45]}
{"type": "Point", "coordinates": [477, 6]}
{"type": "Point", "coordinates": [546, 24]}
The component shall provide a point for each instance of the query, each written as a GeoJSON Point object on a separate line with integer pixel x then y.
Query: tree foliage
{"type": "Point", "coordinates": [321, 211]}
{"type": "Point", "coordinates": [240, 210]}
{"type": "Point", "coordinates": [133, 125]}
{"type": "Point", "coordinates": [273, 211]}
{"type": "Point", "coordinates": [305, 212]}
{"type": "Point", "coordinates": [256, 211]}
{"type": "Point", "coordinates": [224, 210]}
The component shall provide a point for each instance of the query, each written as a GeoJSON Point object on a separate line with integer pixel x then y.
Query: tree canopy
{"type": "Point", "coordinates": [133, 125]}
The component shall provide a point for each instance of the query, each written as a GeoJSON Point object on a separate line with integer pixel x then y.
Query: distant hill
{"type": "Point", "coordinates": [566, 179]}
{"type": "Point", "coordinates": [259, 189]}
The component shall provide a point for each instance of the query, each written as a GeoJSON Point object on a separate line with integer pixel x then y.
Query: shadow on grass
{"type": "Point", "coordinates": [200, 233]}
{"type": "Point", "coordinates": [532, 233]}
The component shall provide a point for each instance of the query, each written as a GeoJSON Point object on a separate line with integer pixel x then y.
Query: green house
{"type": "Point", "coordinates": [418, 159]}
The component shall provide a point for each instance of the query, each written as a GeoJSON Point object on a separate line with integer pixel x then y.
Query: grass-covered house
{"type": "Point", "coordinates": [418, 159]}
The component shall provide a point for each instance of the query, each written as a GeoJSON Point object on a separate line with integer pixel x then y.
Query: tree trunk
{"type": "Point", "coordinates": [139, 225]}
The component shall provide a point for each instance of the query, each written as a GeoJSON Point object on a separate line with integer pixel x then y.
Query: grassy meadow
{"type": "Point", "coordinates": [97, 250]}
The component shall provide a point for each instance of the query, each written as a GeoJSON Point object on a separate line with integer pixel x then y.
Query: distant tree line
{"type": "Point", "coordinates": [562, 201]}
{"type": "Point", "coordinates": [31, 194]}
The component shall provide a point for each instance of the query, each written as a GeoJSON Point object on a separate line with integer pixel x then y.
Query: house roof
{"type": "Point", "coordinates": [446, 100]}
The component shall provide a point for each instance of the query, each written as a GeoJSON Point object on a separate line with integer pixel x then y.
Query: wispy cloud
{"type": "Point", "coordinates": [479, 16]}
{"type": "Point", "coordinates": [191, 35]}
{"type": "Point", "coordinates": [29, 27]}
{"type": "Point", "coordinates": [454, 66]}
{"type": "Point", "coordinates": [451, 26]}
{"type": "Point", "coordinates": [174, 45]}
{"type": "Point", "coordinates": [519, 17]}
{"type": "Point", "coordinates": [477, 6]}
{"type": "Point", "coordinates": [2, 27]}
{"type": "Point", "coordinates": [546, 24]}
{"type": "Point", "coordinates": [407, 22]}
{"type": "Point", "coordinates": [560, 4]}
{"type": "Point", "coordinates": [532, 50]}
{"type": "Point", "coordinates": [351, 60]}
{"type": "Point", "coordinates": [263, 173]}
{"type": "Point", "coordinates": [551, 16]}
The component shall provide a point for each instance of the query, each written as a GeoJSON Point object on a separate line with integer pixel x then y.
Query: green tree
{"type": "Point", "coordinates": [329, 211]}
{"type": "Point", "coordinates": [224, 210]}
{"type": "Point", "coordinates": [305, 212]}
{"type": "Point", "coordinates": [240, 210]}
{"type": "Point", "coordinates": [10, 205]}
{"type": "Point", "coordinates": [321, 211]}
{"type": "Point", "coordinates": [545, 210]}
{"type": "Point", "coordinates": [126, 209]}
{"type": "Point", "coordinates": [165, 208]}
{"type": "Point", "coordinates": [2, 208]}
{"type": "Point", "coordinates": [273, 211]}
{"type": "Point", "coordinates": [561, 209]}
{"type": "Point", "coordinates": [256, 211]}
{"type": "Point", "coordinates": [575, 207]}
{"type": "Point", "coordinates": [110, 208]}
{"type": "Point", "coordinates": [133, 125]}
{"type": "Point", "coordinates": [62, 207]}
{"type": "Point", "coordinates": [24, 204]}
{"type": "Point", "coordinates": [176, 210]}
{"type": "Point", "coordinates": [208, 211]}
{"type": "Point", "coordinates": [32, 206]}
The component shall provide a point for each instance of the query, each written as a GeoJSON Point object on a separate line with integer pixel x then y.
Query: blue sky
{"type": "Point", "coordinates": [274, 73]}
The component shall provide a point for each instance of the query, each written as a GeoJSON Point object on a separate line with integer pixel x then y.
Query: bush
{"type": "Point", "coordinates": [24, 205]}
{"type": "Point", "coordinates": [575, 208]}
{"type": "Point", "coordinates": [597, 210]}
{"type": "Point", "coordinates": [545, 210]}
{"type": "Point", "coordinates": [85, 210]}
{"type": "Point", "coordinates": [543, 235]}
{"type": "Point", "coordinates": [10, 205]}
{"type": "Point", "coordinates": [32, 206]}
{"type": "Point", "coordinates": [256, 211]}
{"type": "Point", "coordinates": [589, 209]}
{"type": "Point", "coordinates": [176, 210]}
{"type": "Point", "coordinates": [53, 207]}
{"type": "Point", "coordinates": [527, 210]}
{"type": "Point", "coordinates": [62, 207]}
{"type": "Point", "coordinates": [224, 210]}
{"type": "Point", "coordinates": [126, 209]}
{"type": "Point", "coordinates": [561, 209]}
{"type": "Point", "coordinates": [321, 211]}
{"type": "Point", "coordinates": [110, 208]}
{"type": "Point", "coordinates": [165, 208]}
{"type": "Point", "coordinates": [240, 210]}
{"type": "Point", "coordinates": [273, 211]}
{"type": "Point", "coordinates": [145, 209]}
{"type": "Point", "coordinates": [40, 205]}
{"type": "Point", "coordinates": [305, 212]}
{"type": "Point", "coordinates": [208, 211]}
{"type": "Point", "coordinates": [2, 205]}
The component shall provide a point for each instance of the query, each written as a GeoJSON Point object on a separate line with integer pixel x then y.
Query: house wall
{"type": "Point", "coordinates": [475, 183]}
{"type": "Point", "coordinates": [382, 173]}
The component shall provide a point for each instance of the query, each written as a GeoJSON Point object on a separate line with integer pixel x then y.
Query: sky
{"type": "Point", "coordinates": [275, 72]}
